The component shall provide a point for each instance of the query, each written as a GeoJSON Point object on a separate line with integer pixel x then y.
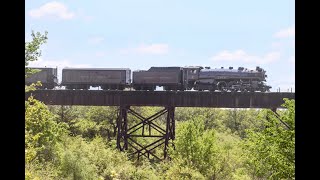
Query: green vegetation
{"type": "Point", "coordinates": [32, 53]}
{"type": "Point", "coordinates": [271, 151]}
{"type": "Point", "coordinates": [73, 142]}
{"type": "Point", "coordinates": [32, 49]}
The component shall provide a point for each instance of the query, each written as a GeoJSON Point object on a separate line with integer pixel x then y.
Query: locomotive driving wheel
{"type": "Point", "coordinates": [231, 86]}
{"type": "Point", "coordinates": [212, 88]}
{"type": "Point", "coordinates": [243, 89]}
{"type": "Point", "coordinates": [222, 86]}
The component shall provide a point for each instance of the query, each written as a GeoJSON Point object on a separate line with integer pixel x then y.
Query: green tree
{"type": "Point", "coordinates": [105, 119]}
{"type": "Point", "coordinates": [82, 159]}
{"type": "Point", "coordinates": [196, 147]}
{"type": "Point", "coordinates": [32, 53]}
{"type": "Point", "coordinates": [214, 118]}
{"type": "Point", "coordinates": [213, 154]}
{"type": "Point", "coordinates": [238, 120]}
{"type": "Point", "coordinates": [69, 115]}
{"type": "Point", "coordinates": [271, 152]}
{"type": "Point", "coordinates": [88, 121]}
{"type": "Point", "coordinates": [175, 170]}
{"type": "Point", "coordinates": [42, 132]}
{"type": "Point", "coordinates": [32, 49]}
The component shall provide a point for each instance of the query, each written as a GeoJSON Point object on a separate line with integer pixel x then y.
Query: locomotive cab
{"type": "Point", "coordinates": [190, 75]}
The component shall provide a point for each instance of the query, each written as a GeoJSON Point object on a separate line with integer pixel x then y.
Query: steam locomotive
{"type": "Point", "coordinates": [170, 78]}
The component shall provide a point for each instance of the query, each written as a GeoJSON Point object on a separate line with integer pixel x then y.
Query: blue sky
{"type": "Point", "coordinates": [138, 34]}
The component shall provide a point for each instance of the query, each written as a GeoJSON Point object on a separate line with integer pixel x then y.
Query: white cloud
{"type": "Point", "coordinates": [281, 45]}
{"type": "Point", "coordinates": [53, 9]}
{"type": "Point", "coordinates": [242, 56]}
{"type": "Point", "coordinates": [285, 33]}
{"type": "Point", "coordinates": [157, 49]}
{"type": "Point", "coordinates": [95, 40]}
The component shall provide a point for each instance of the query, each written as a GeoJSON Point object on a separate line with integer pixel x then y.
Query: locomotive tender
{"type": "Point", "coordinates": [170, 78]}
{"type": "Point", "coordinates": [106, 78]}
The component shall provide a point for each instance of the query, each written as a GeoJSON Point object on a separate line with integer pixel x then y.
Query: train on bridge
{"type": "Point", "coordinates": [170, 78]}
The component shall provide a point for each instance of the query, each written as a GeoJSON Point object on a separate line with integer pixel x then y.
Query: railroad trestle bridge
{"type": "Point", "coordinates": [169, 100]}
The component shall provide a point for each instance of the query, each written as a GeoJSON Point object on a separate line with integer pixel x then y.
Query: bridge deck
{"type": "Point", "coordinates": [161, 98]}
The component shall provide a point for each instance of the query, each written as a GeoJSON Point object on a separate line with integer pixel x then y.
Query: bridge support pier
{"type": "Point", "coordinates": [122, 128]}
{"type": "Point", "coordinates": [159, 136]}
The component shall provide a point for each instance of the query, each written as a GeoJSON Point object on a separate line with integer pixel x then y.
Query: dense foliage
{"type": "Point", "coordinates": [32, 49]}
{"type": "Point", "coordinates": [271, 152]}
{"type": "Point", "coordinates": [73, 142]}
{"type": "Point", "coordinates": [32, 53]}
